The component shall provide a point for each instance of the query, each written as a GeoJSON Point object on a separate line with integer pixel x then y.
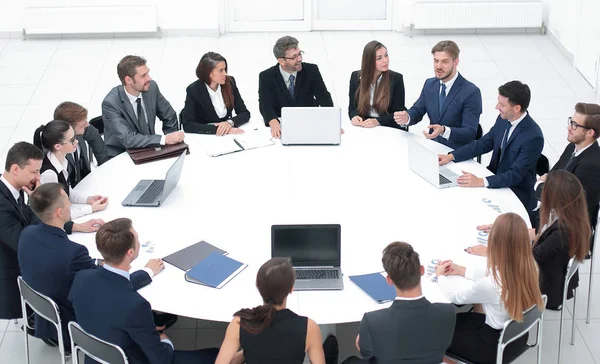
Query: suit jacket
{"type": "Point", "coordinates": [121, 129]}
{"type": "Point", "coordinates": [13, 219]}
{"type": "Point", "coordinates": [107, 306]}
{"type": "Point", "coordinates": [199, 110]}
{"type": "Point", "coordinates": [551, 253]}
{"type": "Point", "coordinates": [91, 145]}
{"type": "Point", "coordinates": [409, 331]}
{"type": "Point", "coordinates": [461, 110]}
{"type": "Point", "coordinates": [309, 90]}
{"type": "Point", "coordinates": [49, 261]}
{"type": "Point", "coordinates": [396, 99]}
{"type": "Point", "coordinates": [515, 166]}
{"type": "Point", "coordinates": [586, 167]}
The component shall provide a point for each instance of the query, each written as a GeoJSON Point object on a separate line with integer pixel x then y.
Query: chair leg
{"type": "Point", "coordinates": [538, 340]}
{"type": "Point", "coordinates": [589, 304]}
{"type": "Point", "coordinates": [560, 332]}
{"type": "Point", "coordinates": [573, 318]}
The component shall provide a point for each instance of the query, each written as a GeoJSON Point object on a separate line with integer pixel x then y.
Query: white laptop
{"type": "Point", "coordinates": [311, 125]}
{"type": "Point", "coordinates": [424, 162]}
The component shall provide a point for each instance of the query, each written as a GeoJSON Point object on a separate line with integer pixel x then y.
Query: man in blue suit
{"type": "Point", "coordinates": [49, 260]}
{"type": "Point", "coordinates": [108, 307]}
{"type": "Point", "coordinates": [452, 103]}
{"type": "Point", "coordinates": [517, 143]}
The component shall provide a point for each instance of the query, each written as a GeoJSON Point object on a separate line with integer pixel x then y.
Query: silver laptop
{"type": "Point", "coordinates": [311, 125]}
{"type": "Point", "coordinates": [424, 162]}
{"type": "Point", "coordinates": [153, 193]}
{"type": "Point", "coordinates": [315, 251]}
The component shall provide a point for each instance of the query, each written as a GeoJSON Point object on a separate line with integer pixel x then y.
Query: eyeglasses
{"type": "Point", "coordinates": [573, 125]}
{"type": "Point", "coordinates": [295, 56]}
{"type": "Point", "coordinates": [73, 141]}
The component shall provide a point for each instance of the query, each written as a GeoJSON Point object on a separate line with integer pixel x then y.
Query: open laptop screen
{"type": "Point", "coordinates": [307, 245]}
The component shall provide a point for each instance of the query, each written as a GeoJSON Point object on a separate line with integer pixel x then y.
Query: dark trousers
{"type": "Point", "coordinates": [477, 342]}
{"type": "Point", "coordinates": [355, 360]}
{"type": "Point", "coordinates": [204, 356]}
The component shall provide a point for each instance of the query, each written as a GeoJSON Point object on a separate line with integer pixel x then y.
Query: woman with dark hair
{"type": "Point", "coordinates": [500, 291]}
{"type": "Point", "coordinates": [57, 140]}
{"type": "Point", "coordinates": [271, 333]}
{"type": "Point", "coordinates": [210, 100]}
{"type": "Point", "coordinates": [376, 92]}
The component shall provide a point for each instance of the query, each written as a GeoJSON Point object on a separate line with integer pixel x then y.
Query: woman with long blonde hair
{"type": "Point", "coordinates": [501, 291]}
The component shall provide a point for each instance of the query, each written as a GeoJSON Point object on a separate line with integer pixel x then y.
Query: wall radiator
{"type": "Point", "coordinates": [39, 20]}
{"type": "Point", "coordinates": [477, 14]}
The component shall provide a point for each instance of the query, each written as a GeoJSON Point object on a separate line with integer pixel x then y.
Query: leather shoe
{"type": "Point", "coordinates": [331, 349]}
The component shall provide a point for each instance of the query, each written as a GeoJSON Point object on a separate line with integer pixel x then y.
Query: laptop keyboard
{"type": "Point", "coordinates": [317, 274]}
{"type": "Point", "coordinates": [152, 192]}
{"type": "Point", "coordinates": [444, 180]}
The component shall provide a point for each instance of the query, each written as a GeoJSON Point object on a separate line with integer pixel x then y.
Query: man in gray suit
{"type": "Point", "coordinates": [412, 330]}
{"type": "Point", "coordinates": [129, 111]}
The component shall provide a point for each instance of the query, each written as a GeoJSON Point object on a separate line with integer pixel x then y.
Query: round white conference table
{"type": "Point", "coordinates": [231, 201]}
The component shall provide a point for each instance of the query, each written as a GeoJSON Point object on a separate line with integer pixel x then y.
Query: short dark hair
{"type": "Point", "coordinates": [283, 44]}
{"type": "Point", "coordinates": [70, 112]}
{"type": "Point", "coordinates": [114, 239]}
{"type": "Point", "coordinates": [21, 153]}
{"type": "Point", "coordinates": [44, 199]}
{"type": "Point", "coordinates": [447, 46]}
{"type": "Point", "coordinates": [592, 116]}
{"type": "Point", "coordinates": [517, 93]}
{"type": "Point", "coordinates": [402, 265]}
{"type": "Point", "coordinates": [127, 66]}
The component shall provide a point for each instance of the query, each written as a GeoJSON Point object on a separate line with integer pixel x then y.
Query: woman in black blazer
{"type": "Point", "coordinates": [374, 102]}
{"type": "Point", "coordinates": [210, 100]}
{"type": "Point", "coordinates": [565, 233]}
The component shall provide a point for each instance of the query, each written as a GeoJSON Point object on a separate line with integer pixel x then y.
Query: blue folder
{"type": "Point", "coordinates": [375, 285]}
{"type": "Point", "coordinates": [215, 270]}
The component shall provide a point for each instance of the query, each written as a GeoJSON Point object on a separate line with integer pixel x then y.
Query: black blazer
{"type": "Point", "coordinates": [13, 219]}
{"type": "Point", "coordinates": [396, 99]}
{"type": "Point", "coordinates": [309, 90]}
{"type": "Point", "coordinates": [107, 306]}
{"type": "Point", "coordinates": [414, 331]}
{"type": "Point", "coordinates": [552, 256]}
{"type": "Point", "coordinates": [91, 145]}
{"type": "Point", "coordinates": [43, 249]}
{"type": "Point", "coordinates": [586, 167]}
{"type": "Point", "coordinates": [199, 110]}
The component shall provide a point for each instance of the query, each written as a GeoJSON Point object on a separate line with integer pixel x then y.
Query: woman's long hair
{"type": "Point", "coordinates": [381, 97]}
{"type": "Point", "coordinates": [275, 280]}
{"type": "Point", "coordinates": [512, 266]}
{"type": "Point", "coordinates": [46, 136]}
{"type": "Point", "coordinates": [564, 197]}
{"type": "Point", "coordinates": [207, 64]}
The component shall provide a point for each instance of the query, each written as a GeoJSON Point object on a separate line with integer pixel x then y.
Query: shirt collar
{"type": "Point", "coordinates": [577, 153]}
{"type": "Point", "coordinates": [450, 83]}
{"type": "Point", "coordinates": [285, 75]}
{"type": "Point", "coordinates": [408, 298]}
{"type": "Point", "coordinates": [213, 93]}
{"type": "Point", "coordinates": [515, 122]}
{"type": "Point", "coordinates": [16, 193]}
{"type": "Point", "coordinates": [122, 273]}
{"type": "Point", "coordinates": [60, 166]}
{"type": "Point", "coordinates": [132, 98]}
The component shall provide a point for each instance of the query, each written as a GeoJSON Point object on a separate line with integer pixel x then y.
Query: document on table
{"type": "Point", "coordinates": [227, 144]}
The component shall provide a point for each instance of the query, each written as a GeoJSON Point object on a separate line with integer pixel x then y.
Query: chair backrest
{"type": "Point", "coordinates": [97, 349]}
{"type": "Point", "coordinates": [572, 267]}
{"type": "Point", "coordinates": [41, 304]}
{"type": "Point", "coordinates": [543, 165]}
{"type": "Point", "coordinates": [98, 123]}
{"type": "Point", "coordinates": [479, 133]}
{"type": "Point", "coordinates": [514, 329]}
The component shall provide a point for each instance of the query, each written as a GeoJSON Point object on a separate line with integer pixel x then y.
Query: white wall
{"type": "Point", "coordinates": [563, 22]}
{"type": "Point", "coordinates": [172, 14]}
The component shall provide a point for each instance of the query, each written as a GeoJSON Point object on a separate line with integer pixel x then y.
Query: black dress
{"type": "Point", "coordinates": [283, 342]}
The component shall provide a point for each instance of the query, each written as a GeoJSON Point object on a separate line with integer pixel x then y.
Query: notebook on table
{"type": "Point", "coordinates": [187, 258]}
{"type": "Point", "coordinates": [216, 270]}
{"type": "Point", "coordinates": [228, 144]}
{"type": "Point", "coordinates": [375, 285]}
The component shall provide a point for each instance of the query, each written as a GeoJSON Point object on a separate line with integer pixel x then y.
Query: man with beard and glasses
{"type": "Point", "coordinates": [452, 103]}
{"type": "Point", "coordinates": [130, 109]}
{"type": "Point", "coordinates": [290, 82]}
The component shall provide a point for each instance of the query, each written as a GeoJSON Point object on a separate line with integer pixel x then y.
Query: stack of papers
{"type": "Point", "coordinates": [227, 144]}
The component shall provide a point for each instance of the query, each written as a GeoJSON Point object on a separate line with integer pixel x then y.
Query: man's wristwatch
{"type": "Point", "coordinates": [230, 122]}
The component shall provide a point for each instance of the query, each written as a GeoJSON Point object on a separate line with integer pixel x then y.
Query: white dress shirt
{"type": "Point", "coordinates": [408, 298]}
{"type": "Point", "coordinates": [513, 126]}
{"type": "Point", "coordinates": [286, 77]}
{"type": "Point", "coordinates": [133, 101]}
{"type": "Point", "coordinates": [372, 112]}
{"type": "Point", "coordinates": [16, 194]}
{"type": "Point", "coordinates": [216, 97]}
{"type": "Point", "coordinates": [79, 207]}
{"type": "Point", "coordinates": [484, 290]}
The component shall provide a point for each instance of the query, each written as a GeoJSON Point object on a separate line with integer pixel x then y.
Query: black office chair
{"type": "Point", "coordinates": [180, 121]}
{"type": "Point", "coordinates": [98, 123]}
{"type": "Point", "coordinates": [97, 349]}
{"type": "Point", "coordinates": [478, 136]}
{"type": "Point", "coordinates": [543, 165]}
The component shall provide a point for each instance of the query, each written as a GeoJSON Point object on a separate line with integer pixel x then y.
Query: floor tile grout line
{"type": "Point", "coordinates": [584, 341]}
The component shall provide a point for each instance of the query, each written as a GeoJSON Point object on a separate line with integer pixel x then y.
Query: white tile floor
{"type": "Point", "coordinates": [35, 75]}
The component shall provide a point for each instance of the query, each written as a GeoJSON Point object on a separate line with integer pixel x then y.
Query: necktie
{"type": "Point", "coordinates": [570, 160]}
{"type": "Point", "coordinates": [21, 201]}
{"type": "Point", "coordinates": [442, 97]}
{"type": "Point", "coordinates": [141, 117]}
{"type": "Point", "coordinates": [291, 87]}
{"type": "Point", "coordinates": [505, 137]}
